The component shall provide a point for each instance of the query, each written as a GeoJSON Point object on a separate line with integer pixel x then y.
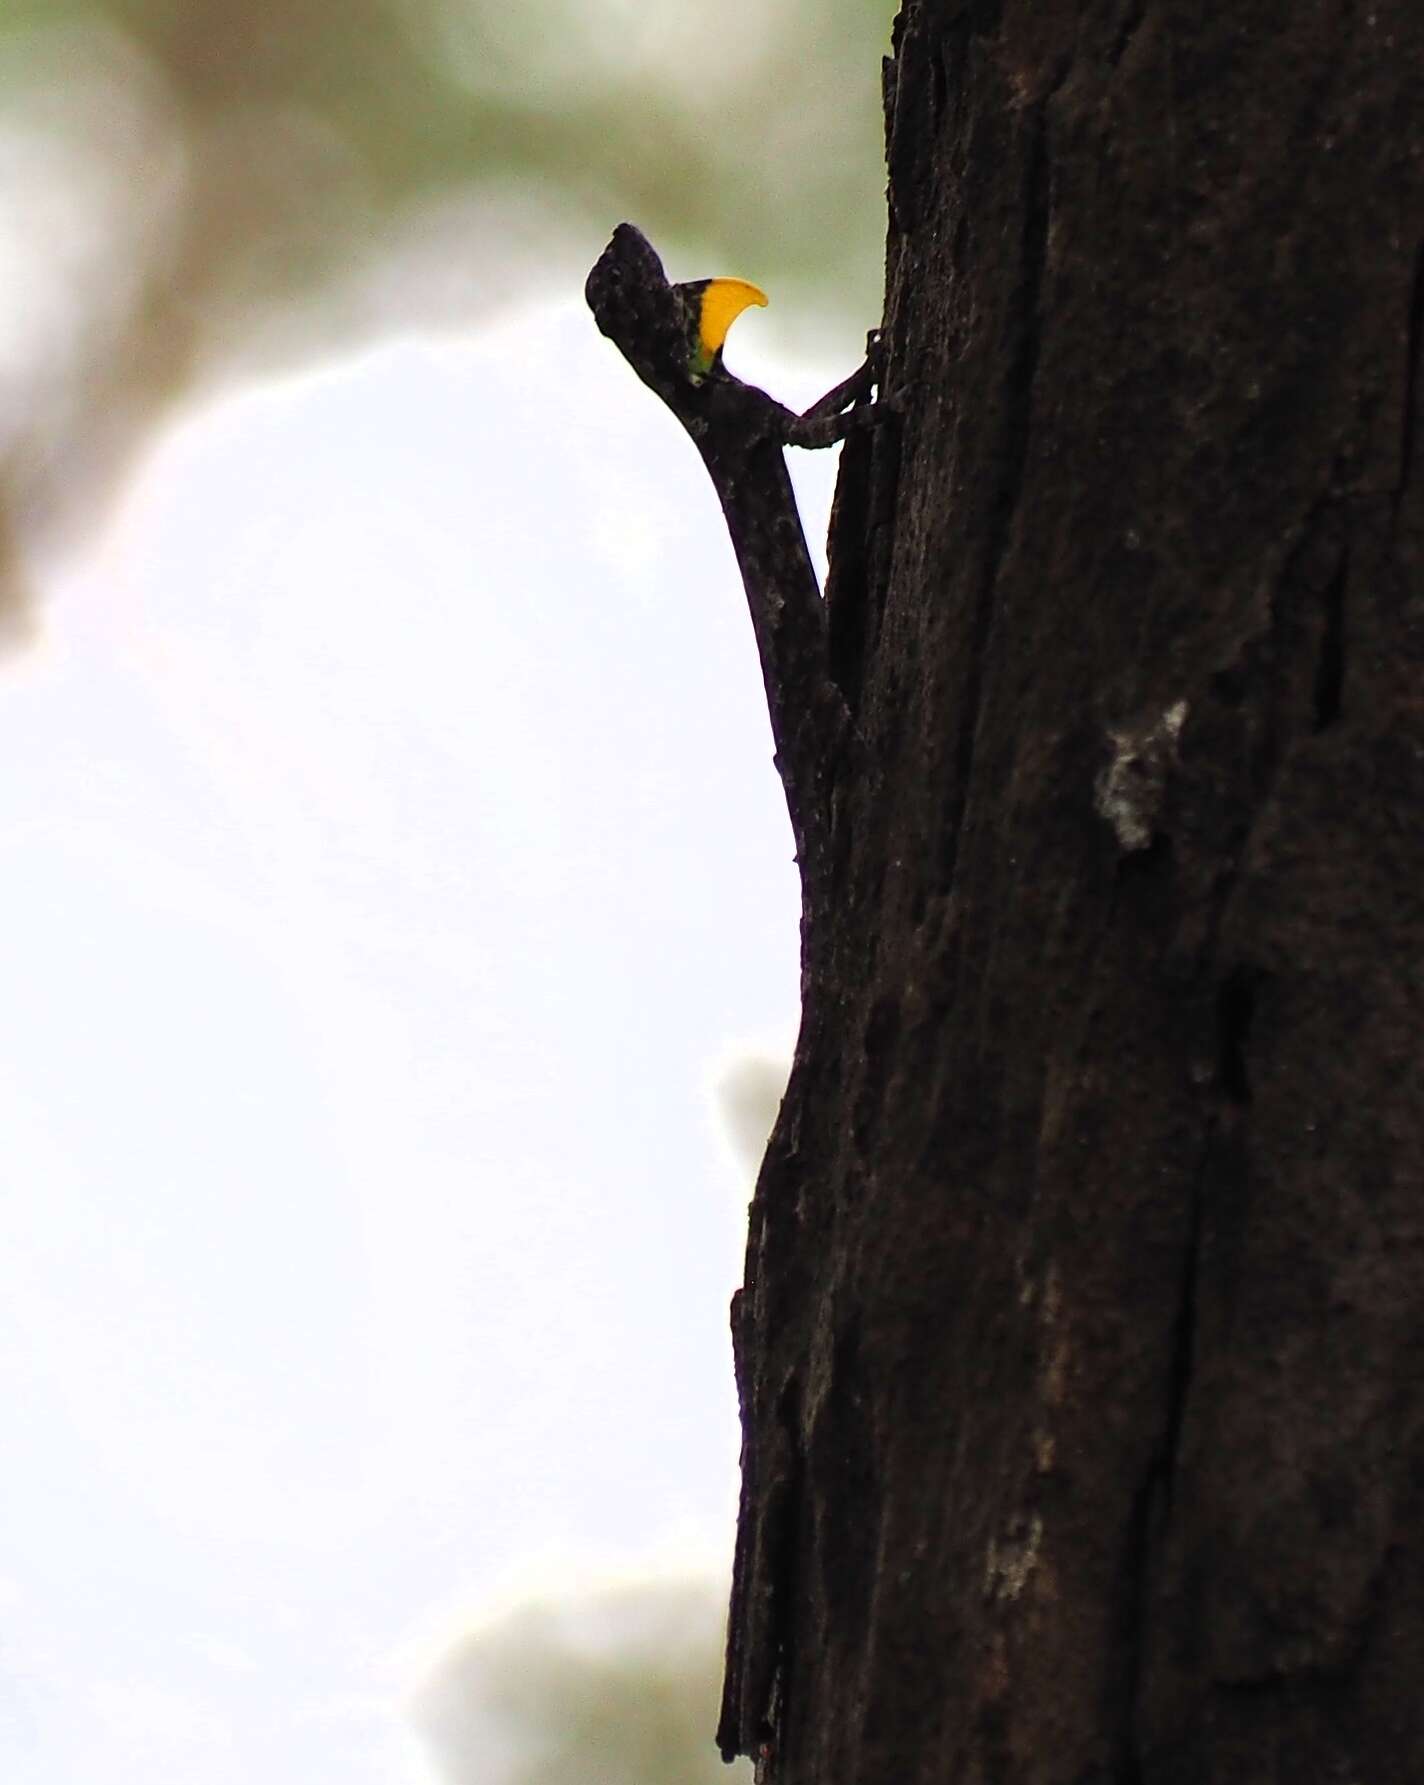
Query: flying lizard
{"type": "Point", "coordinates": [672, 336]}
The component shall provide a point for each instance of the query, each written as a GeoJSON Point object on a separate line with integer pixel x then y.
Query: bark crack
{"type": "Point", "coordinates": [1330, 665]}
{"type": "Point", "coordinates": [1128, 27]}
{"type": "Point", "coordinates": [1018, 415]}
{"type": "Point", "coordinates": [1414, 344]}
{"type": "Point", "coordinates": [1154, 1497]}
{"type": "Point", "coordinates": [1236, 1008]}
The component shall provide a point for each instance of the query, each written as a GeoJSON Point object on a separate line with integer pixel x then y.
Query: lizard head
{"type": "Point", "coordinates": [710, 307]}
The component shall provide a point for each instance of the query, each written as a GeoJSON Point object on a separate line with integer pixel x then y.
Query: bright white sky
{"type": "Point", "coordinates": [391, 852]}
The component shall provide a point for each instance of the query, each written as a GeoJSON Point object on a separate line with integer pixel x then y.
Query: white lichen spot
{"type": "Point", "coordinates": [1128, 792]}
{"type": "Point", "coordinates": [1013, 1558]}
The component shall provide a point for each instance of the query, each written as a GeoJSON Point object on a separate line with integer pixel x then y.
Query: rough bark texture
{"type": "Point", "coordinates": [1082, 1342]}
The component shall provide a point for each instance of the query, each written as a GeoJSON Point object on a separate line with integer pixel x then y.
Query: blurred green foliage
{"type": "Point", "coordinates": [191, 189]}
{"type": "Point", "coordinates": [619, 1688]}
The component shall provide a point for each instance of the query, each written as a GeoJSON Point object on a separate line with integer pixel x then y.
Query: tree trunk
{"type": "Point", "coordinates": [1082, 1344]}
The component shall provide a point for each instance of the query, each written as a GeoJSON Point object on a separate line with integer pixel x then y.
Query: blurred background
{"type": "Point", "coordinates": [399, 955]}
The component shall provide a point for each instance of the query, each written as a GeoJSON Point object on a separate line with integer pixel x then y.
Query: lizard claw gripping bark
{"type": "Point", "coordinates": [672, 337]}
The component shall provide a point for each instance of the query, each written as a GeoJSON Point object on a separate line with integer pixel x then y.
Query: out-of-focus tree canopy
{"type": "Point", "coordinates": [618, 1688]}
{"type": "Point", "coordinates": [191, 188]}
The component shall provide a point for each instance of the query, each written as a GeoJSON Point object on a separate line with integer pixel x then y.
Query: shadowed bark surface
{"type": "Point", "coordinates": [1082, 1343]}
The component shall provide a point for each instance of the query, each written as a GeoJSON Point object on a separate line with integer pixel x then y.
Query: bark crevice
{"type": "Point", "coordinates": [1330, 665]}
{"type": "Point", "coordinates": [1414, 347]}
{"type": "Point", "coordinates": [1016, 427]}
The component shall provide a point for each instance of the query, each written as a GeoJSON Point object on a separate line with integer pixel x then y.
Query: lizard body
{"type": "Point", "coordinates": [741, 432]}
{"type": "Point", "coordinates": [672, 336]}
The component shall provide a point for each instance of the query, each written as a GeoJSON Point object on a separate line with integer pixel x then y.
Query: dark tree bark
{"type": "Point", "coordinates": [1082, 1343]}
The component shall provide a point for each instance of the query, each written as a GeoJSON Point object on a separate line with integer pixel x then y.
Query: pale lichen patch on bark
{"type": "Point", "coordinates": [1128, 792]}
{"type": "Point", "coordinates": [1012, 1558]}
